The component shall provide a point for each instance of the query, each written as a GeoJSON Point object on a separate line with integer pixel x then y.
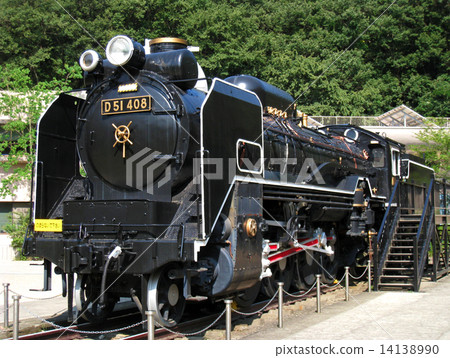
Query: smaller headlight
{"type": "Point", "coordinates": [89, 60]}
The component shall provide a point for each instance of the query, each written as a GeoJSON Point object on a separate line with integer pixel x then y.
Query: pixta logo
{"type": "Point", "coordinates": [144, 167]}
{"type": "Point", "coordinates": [149, 169]}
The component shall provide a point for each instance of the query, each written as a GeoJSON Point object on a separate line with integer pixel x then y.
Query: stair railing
{"type": "Point", "coordinates": [385, 235]}
{"type": "Point", "coordinates": [423, 237]}
{"type": "Point", "coordinates": [441, 254]}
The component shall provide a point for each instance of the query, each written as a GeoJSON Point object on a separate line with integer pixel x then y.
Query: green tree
{"type": "Point", "coordinates": [17, 229]}
{"type": "Point", "coordinates": [436, 147]}
{"type": "Point", "coordinates": [23, 102]}
{"type": "Point", "coordinates": [436, 98]}
{"type": "Point", "coordinates": [402, 59]}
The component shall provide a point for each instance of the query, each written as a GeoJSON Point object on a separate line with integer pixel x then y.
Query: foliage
{"type": "Point", "coordinates": [23, 102]}
{"type": "Point", "coordinates": [17, 229]}
{"type": "Point", "coordinates": [297, 45]}
{"type": "Point", "coordinates": [436, 148]}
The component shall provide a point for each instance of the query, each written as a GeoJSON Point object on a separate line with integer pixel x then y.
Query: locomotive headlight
{"type": "Point", "coordinates": [89, 60]}
{"type": "Point", "coordinates": [119, 50]}
{"type": "Point", "coordinates": [122, 50]}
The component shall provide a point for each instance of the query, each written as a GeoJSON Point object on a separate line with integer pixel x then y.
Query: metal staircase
{"type": "Point", "coordinates": [401, 249]}
{"type": "Point", "coordinates": [398, 270]}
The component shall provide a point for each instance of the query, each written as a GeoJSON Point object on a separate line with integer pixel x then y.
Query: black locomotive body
{"type": "Point", "coordinates": [150, 187]}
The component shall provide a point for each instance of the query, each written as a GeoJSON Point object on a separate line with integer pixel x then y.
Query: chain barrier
{"type": "Point", "coordinates": [192, 333]}
{"type": "Point", "coordinates": [35, 298]}
{"type": "Point", "coordinates": [10, 305]}
{"type": "Point", "coordinates": [357, 278]}
{"type": "Point", "coordinates": [303, 294]}
{"type": "Point", "coordinates": [166, 328]}
{"type": "Point", "coordinates": [335, 285]}
{"type": "Point", "coordinates": [84, 332]}
{"type": "Point", "coordinates": [258, 311]}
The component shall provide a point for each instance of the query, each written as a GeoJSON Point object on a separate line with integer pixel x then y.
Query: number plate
{"type": "Point", "coordinates": [126, 105]}
{"type": "Point", "coordinates": [50, 225]}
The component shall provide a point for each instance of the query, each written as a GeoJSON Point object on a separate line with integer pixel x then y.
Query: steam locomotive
{"type": "Point", "coordinates": [151, 185]}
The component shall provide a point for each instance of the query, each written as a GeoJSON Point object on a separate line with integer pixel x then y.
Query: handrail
{"type": "Point", "coordinates": [425, 207]}
{"type": "Point", "coordinates": [423, 237]}
{"type": "Point", "coordinates": [440, 242]}
{"type": "Point", "coordinates": [441, 252]}
{"type": "Point", "coordinates": [380, 253]}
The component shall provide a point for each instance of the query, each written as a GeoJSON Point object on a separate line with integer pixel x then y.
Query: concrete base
{"type": "Point", "coordinates": [383, 315]}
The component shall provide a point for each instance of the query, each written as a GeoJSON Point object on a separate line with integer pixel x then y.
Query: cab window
{"type": "Point", "coordinates": [395, 162]}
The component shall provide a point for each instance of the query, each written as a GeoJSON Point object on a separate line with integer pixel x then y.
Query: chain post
{"type": "Point", "coordinates": [6, 305]}
{"type": "Point", "coordinates": [16, 299]}
{"type": "Point", "coordinates": [228, 319]}
{"type": "Point", "coordinates": [346, 283]}
{"type": "Point", "coordinates": [318, 308]}
{"type": "Point", "coordinates": [369, 276]}
{"type": "Point", "coordinates": [150, 325]}
{"type": "Point", "coordinates": [280, 304]}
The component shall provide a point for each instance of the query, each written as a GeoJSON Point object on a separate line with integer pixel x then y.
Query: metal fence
{"type": "Point", "coordinates": [365, 120]}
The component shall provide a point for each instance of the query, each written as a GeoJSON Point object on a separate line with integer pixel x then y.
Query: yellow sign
{"type": "Point", "coordinates": [50, 225]}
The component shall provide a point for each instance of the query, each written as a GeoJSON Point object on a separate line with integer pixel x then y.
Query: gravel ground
{"type": "Point", "coordinates": [245, 327]}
